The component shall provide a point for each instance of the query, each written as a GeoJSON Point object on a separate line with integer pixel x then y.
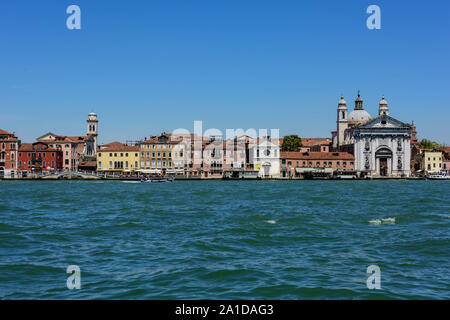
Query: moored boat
{"type": "Point", "coordinates": [438, 176]}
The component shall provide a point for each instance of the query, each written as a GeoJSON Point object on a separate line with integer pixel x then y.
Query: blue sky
{"type": "Point", "coordinates": [148, 66]}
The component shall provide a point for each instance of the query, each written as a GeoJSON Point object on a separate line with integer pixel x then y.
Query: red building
{"type": "Point", "coordinates": [39, 156]}
{"type": "Point", "coordinates": [294, 163]}
{"type": "Point", "coordinates": [9, 145]}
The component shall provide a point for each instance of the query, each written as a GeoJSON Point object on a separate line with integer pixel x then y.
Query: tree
{"type": "Point", "coordinates": [291, 143]}
{"type": "Point", "coordinates": [426, 144]}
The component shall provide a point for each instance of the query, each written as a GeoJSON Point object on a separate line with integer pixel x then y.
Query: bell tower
{"type": "Point", "coordinates": [342, 121]}
{"type": "Point", "coordinates": [383, 108]}
{"type": "Point", "coordinates": [92, 126]}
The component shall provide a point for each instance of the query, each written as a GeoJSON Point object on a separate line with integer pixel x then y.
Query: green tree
{"type": "Point", "coordinates": [428, 144]}
{"type": "Point", "coordinates": [291, 143]}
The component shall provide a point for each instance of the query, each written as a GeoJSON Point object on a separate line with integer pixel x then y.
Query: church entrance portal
{"type": "Point", "coordinates": [383, 167]}
{"type": "Point", "coordinates": [384, 156]}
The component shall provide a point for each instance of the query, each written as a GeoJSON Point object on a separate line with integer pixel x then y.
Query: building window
{"type": "Point", "coordinates": [53, 164]}
{"type": "Point", "coordinates": [110, 154]}
{"type": "Point", "coordinates": [126, 164]}
{"type": "Point", "coordinates": [44, 164]}
{"type": "Point", "coordinates": [100, 164]}
{"type": "Point", "coordinates": [110, 164]}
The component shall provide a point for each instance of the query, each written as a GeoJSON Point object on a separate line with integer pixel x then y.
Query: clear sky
{"type": "Point", "coordinates": [148, 66]}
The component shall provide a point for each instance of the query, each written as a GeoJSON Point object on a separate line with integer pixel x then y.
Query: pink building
{"type": "Point", "coordinates": [446, 162]}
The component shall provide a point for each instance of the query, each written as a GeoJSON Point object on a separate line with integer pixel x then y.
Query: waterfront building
{"type": "Point", "coordinates": [69, 147]}
{"type": "Point", "coordinates": [40, 156]}
{"type": "Point", "coordinates": [297, 164]}
{"type": "Point", "coordinates": [432, 161]}
{"type": "Point", "coordinates": [157, 155]}
{"type": "Point", "coordinates": [265, 155]}
{"type": "Point", "coordinates": [117, 157]}
{"type": "Point", "coordinates": [9, 146]}
{"type": "Point", "coordinates": [381, 145]}
{"type": "Point", "coordinates": [76, 149]}
{"type": "Point", "coordinates": [446, 162]}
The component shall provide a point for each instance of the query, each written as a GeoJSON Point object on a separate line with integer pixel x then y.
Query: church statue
{"type": "Point", "coordinates": [367, 165]}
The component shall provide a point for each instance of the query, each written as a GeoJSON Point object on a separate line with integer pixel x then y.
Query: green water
{"type": "Point", "coordinates": [225, 239]}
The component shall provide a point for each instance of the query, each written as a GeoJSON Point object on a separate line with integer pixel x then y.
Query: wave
{"type": "Point", "coordinates": [382, 221]}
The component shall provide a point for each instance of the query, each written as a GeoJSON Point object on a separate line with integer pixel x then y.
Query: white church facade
{"type": "Point", "coordinates": [381, 145]}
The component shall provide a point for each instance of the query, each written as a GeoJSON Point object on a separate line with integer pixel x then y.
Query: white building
{"type": "Point", "coordinates": [265, 155]}
{"type": "Point", "coordinates": [382, 145]}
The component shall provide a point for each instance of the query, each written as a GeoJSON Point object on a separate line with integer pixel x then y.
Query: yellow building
{"type": "Point", "coordinates": [117, 157]}
{"type": "Point", "coordinates": [432, 161]}
{"type": "Point", "coordinates": [162, 155]}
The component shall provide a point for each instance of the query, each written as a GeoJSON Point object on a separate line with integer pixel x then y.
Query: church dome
{"type": "Point", "coordinates": [358, 116]}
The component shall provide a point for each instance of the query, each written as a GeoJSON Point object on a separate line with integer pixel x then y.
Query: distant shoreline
{"type": "Point", "coordinates": [215, 179]}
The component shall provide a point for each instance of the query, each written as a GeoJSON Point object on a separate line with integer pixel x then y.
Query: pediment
{"type": "Point", "coordinates": [382, 122]}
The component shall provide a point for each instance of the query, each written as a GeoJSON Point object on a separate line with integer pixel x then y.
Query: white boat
{"type": "Point", "coordinates": [439, 176]}
{"type": "Point", "coordinates": [156, 180]}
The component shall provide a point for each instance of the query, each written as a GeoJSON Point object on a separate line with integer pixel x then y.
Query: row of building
{"type": "Point", "coordinates": [360, 145]}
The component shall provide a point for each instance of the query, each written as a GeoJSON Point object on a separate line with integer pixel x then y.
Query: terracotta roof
{"type": "Point", "coordinates": [77, 138]}
{"type": "Point", "coordinates": [59, 138]}
{"type": "Point", "coordinates": [26, 147]}
{"type": "Point", "coordinates": [117, 146]}
{"type": "Point", "coordinates": [317, 155]}
{"type": "Point", "coordinates": [169, 137]}
{"type": "Point", "coordinates": [309, 142]}
{"type": "Point", "coordinates": [87, 164]}
{"type": "Point", "coordinates": [29, 147]}
{"type": "Point", "coordinates": [5, 132]}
